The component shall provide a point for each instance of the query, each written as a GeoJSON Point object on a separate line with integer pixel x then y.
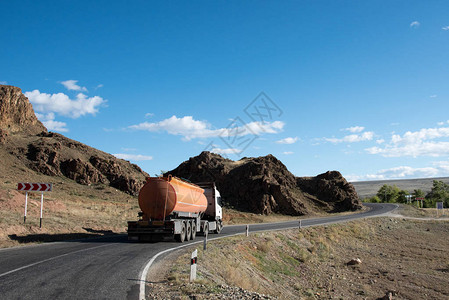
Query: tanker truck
{"type": "Point", "coordinates": [176, 208]}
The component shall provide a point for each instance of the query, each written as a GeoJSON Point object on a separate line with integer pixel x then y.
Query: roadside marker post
{"type": "Point", "coordinates": [193, 262]}
{"type": "Point", "coordinates": [34, 187]}
{"type": "Point", "coordinates": [205, 243]}
{"type": "Point", "coordinates": [300, 225]}
{"type": "Point", "coordinates": [247, 230]}
{"type": "Point", "coordinates": [42, 207]}
{"type": "Point", "coordinates": [26, 204]}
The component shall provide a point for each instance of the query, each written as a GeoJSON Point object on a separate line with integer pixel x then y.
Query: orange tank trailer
{"type": "Point", "coordinates": [161, 196]}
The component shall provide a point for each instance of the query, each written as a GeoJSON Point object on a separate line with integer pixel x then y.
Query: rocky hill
{"type": "Point", "coordinates": [24, 137]}
{"type": "Point", "coordinates": [16, 112]}
{"type": "Point", "coordinates": [264, 185]}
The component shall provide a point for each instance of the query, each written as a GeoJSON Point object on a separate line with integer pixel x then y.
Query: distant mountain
{"type": "Point", "coordinates": [370, 188]}
{"type": "Point", "coordinates": [264, 185]}
{"type": "Point", "coordinates": [24, 137]}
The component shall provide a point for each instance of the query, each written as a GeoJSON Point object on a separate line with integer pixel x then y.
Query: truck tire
{"type": "Point", "coordinates": [193, 230]}
{"type": "Point", "coordinates": [180, 237]}
{"type": "Point", "coordinates": [219, 227]}
{"type": "Point", "coordinates": [188, 231]}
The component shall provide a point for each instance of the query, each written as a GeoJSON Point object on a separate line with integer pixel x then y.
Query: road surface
{"type": "Point", "coordinates": [105, 268]}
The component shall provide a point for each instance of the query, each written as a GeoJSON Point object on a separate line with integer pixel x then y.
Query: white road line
{"type": "Point", "coordinates": [49, 259]}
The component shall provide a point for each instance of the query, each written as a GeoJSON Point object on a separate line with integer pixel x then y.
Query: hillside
{"type": "Point", "coordinates": [399, 259]}
{"type": "Point", "coordinates": [93, 192]}
{"type": "Point", "coordinates": [24, 140]}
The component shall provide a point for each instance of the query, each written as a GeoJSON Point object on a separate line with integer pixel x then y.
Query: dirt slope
{"type": "Point", "coordinates": [399, 258]}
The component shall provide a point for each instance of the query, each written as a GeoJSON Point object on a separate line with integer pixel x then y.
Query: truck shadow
{"type": "Point", "coordinates": [90, 236]}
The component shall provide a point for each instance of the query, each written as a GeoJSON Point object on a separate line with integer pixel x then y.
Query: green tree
{"type": "Point", "coordinates": [373, 199]}
{"type": "Point", "coordinates": [402, 196]}
{"type": "Point", "coordinates": [438, 193]}
{"type": "Point", "coordinates": [388, 193]}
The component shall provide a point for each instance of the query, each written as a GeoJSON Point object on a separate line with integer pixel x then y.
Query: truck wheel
{"type": "Point", "coordinates": [219, 227]}
{"type": "Point", "coordinates": [193, 230]}
{"type": "Point", "coordinates": [180, 237]}
{"type": "Point", "coordinates": [188, 231]}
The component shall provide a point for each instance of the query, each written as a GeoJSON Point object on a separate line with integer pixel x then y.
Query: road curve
{"type": "Point", "coordinates": [106, 268]}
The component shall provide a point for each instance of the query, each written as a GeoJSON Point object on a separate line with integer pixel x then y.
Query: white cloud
{"type": "Point", "coordinates": [3, 82]}
{"type": "Point", "coordinates": [415, 24]}
{"type": "Point", "coordinates": [445, 28]}
{"type": "Point", "coordinates": [72, 86]}
{"type": "Point", "coordinates": [354, 129]}
{"type": "Point", "coordinates": [288, 140]}
{"type": "Point", "coordinates": [438, 169]}
{"type": "Point", "coordinates": [100, 86]}
{"type": "Point", "coordinates": [226, 151]}
{"type": "Point", "coordinates": [190, 128]}
{"type": "Point", "coordinates": [61, 104]}
{"type": "Point", "coordinates": [133, 157]}
{"type": "Point", "coordinates": [287, 152]}
{"type": "Point", "coordinates": [415, 144]}
{"type": "Point", "coordinates": [149, 115]}
{"type": "Point", "coordinates": [49, 121]}
{"type": "Point", "coordinates": [433, 96]}
{"type": "Point", "coordinates": [352, 138]}
{"type": "Point", "coordinates": [380, 141]}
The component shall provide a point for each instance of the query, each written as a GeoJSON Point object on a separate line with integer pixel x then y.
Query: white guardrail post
{"type": "Point", "coordinates": [193, 261]}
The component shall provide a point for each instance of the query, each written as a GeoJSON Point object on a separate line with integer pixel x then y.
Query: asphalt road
{"type": "Point", "coordinates": [105, 268]}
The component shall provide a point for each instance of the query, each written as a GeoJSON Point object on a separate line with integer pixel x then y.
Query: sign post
{"type": "Point", "coordinates": [409, 198]}
{"type": "Point", "coordinates": [34, 187]}
{"type": "Point", "coordinates": [420, 199]}
{"type": "Point", "coordinates": [439, 206]}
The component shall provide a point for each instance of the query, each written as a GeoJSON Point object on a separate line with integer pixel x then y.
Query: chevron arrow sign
{"type": "Point", "coordinates": [34, 187]}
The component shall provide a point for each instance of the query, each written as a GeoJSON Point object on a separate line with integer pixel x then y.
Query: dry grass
{"type": "Point", "coordinates": [311, 263]}
{"type": "Point", "coordinates": [70, 211]}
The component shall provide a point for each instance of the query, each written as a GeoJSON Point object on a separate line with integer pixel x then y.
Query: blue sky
{"type": "Point", "coordinates": [355, 86]}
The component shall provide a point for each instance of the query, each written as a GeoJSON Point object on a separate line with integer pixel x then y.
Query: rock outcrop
{"type": "Point", "coordinates": [16, 112]}
{"type": "Point", "coordinates": [52, 154]}
{"type": "Point", "coordinates": [264, 185]}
